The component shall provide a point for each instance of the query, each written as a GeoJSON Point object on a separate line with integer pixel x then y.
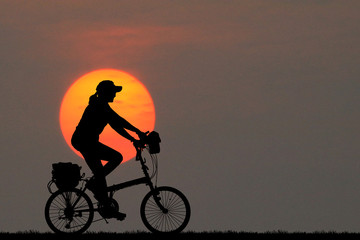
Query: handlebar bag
{"type": "Point", "coordinates": [66, 175]}
{"type": "Point", "coordinates": [154, 142]}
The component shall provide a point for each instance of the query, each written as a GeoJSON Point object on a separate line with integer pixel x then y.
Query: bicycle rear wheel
{"type": "Point", "coordinates": [69, 211]}
{"type": "Point", "coordinates": [174, 216]}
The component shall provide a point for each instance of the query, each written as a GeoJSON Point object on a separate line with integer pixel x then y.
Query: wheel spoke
{"type": "Point", "coordinates": [63, 217]}
{"type": "Point", "coordinates": [177, 213]}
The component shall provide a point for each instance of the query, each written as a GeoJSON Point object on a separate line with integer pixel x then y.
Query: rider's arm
{"type": "Point", "coordinates": [119, 124]}
{"type": "Point", "coordinates": [125, 134]}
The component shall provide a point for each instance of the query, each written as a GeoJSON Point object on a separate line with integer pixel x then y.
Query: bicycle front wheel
{"type": "Point", "coordinates": [165, 209]}
{"type": "Point", "coordinates": [69, 211]}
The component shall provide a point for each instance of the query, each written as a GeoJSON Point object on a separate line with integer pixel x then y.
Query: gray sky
{"type": "Point", "coordinates": [256, 102]}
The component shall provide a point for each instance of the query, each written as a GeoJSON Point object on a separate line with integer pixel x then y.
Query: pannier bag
{"type": "Point", "coordinates": [66, 175]}
{"type": "Point", "coordinates": [154, 142]}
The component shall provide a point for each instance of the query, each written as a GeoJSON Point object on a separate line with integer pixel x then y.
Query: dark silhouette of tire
{"type": "Point", "coordinates": [62, 218]}
{"type": "Point", "coordinates": [174, 219]}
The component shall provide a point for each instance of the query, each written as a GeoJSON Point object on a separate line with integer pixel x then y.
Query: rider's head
{"type": "Point", "coordinates": [106, 90]}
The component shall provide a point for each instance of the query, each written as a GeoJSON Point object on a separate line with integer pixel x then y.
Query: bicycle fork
{"type": "Point", "coordinates": [156, 194]}
{"type": "Point", "coordinates": [157, 200]}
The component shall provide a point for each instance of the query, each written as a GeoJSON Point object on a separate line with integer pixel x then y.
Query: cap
{"type": "Point", "coordinates": [108, 85]}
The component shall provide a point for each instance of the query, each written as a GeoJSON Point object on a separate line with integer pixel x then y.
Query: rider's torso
{"type": "Point", "coordinates": [96, 116]}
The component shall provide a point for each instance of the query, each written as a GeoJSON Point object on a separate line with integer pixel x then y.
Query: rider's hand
{"type": "Point", "coordinates": [142, 135]}
{"type": "Point", "coordinates": [138, 143]}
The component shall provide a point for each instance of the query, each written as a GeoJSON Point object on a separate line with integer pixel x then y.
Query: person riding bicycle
{"type": "Point", "coordinates": [85, 139]}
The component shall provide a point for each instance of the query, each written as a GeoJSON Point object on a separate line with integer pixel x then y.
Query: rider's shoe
{"type": "Point", "coordinates": [119, 216]}
{"type": "Point", "coordinates": [108, 209]}
{"type": "Point", "coordinates": [113, 214]}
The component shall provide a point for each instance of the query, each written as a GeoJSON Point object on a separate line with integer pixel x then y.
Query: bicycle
{"type": "Point", "coordinates": [163, 210]}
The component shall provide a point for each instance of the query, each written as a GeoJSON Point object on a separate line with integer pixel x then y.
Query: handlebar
{"type": "Point", "coordinates": [151, 139]}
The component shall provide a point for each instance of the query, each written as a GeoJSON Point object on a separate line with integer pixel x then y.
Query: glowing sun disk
{"type": "Point", "coordinates": [133, 103]}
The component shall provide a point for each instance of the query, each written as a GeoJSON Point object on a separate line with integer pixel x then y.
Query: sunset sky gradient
{"type": "Point", "coordinates": [257, 106]}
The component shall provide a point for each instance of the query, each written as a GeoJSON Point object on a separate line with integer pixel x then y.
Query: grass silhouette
{"type": "Point", "coordinates": [229, 235]}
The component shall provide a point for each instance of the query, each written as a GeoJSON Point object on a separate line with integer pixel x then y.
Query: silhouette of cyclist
{"type": "Point", "coordinates": [86, 139]}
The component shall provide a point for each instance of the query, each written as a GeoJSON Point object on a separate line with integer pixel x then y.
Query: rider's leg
{"type": "Point", "coordinates": [96, 167]}
{"type": "Point", "coordinates": [113, 158]}
{"type": "Point", "coordinates": [93, 156]}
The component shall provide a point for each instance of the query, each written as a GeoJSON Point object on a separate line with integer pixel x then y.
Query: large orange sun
{"type": "Point", "coordinates": [133, 103]}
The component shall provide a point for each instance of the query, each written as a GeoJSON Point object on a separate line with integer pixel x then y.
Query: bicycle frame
{"type": "Point", "coordinates": [163, 209]}
{"type": "Point", "coordinates": [143, 180]}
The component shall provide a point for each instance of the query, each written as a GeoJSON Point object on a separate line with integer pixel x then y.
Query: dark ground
{"type": "Point", "coordinates": [183, 236]}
